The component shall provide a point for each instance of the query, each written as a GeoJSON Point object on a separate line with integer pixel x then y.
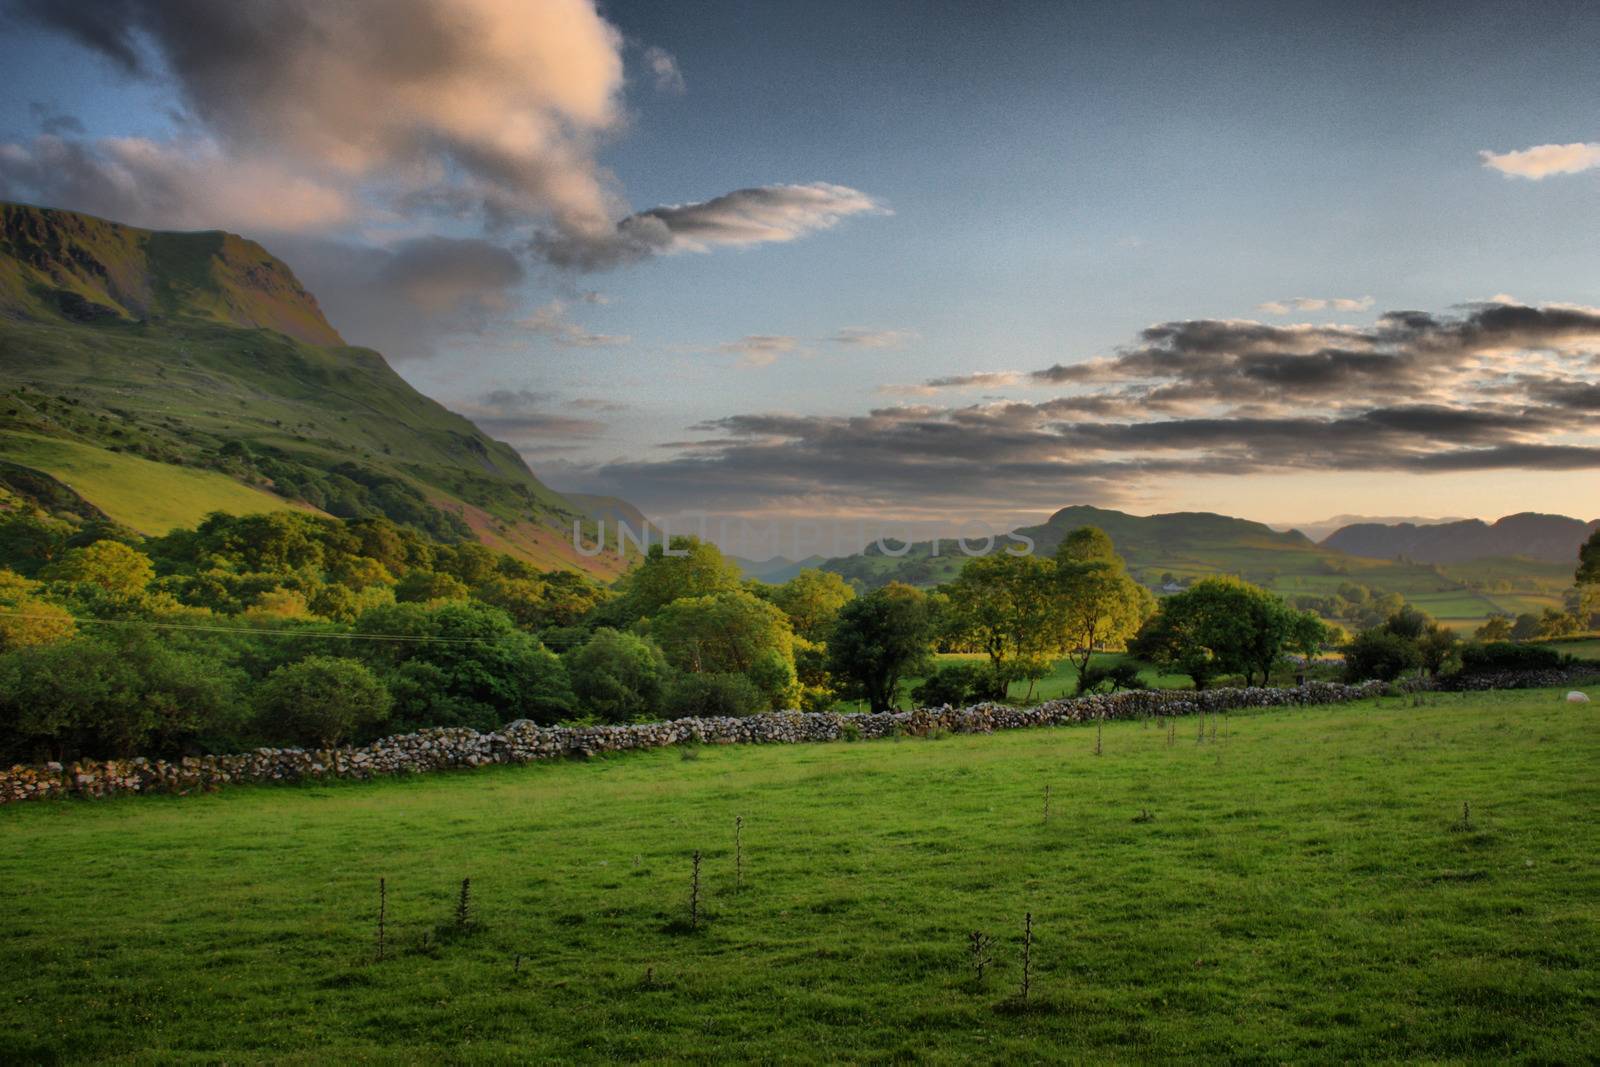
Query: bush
{"type": "Point", "coordinates": [618, 677]}
{"type": "Point", "coordinates": [955, 684]}
{"type": "Point", "coordinates": [1096, 679]}
{"type": "Point", "coordinates": [1380, 654]}
{"type": "Point", "coordinates": [321, 701]}
{"type": "Point", "coordinates": [128, 694]}
{"type": "Point", "coordinates": [1505, 656]}
{"type": "Point", "coordinates": [707, 695]}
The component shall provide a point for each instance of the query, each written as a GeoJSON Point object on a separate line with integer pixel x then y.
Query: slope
{"type": "Point", "coordinates": [202, 351]}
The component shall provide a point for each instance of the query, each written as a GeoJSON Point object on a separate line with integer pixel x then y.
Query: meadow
{"type": "Point", "coordinates": [1303, 884]}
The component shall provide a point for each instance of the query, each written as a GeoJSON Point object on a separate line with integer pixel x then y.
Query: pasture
{"type": "Point", "coordinates": [1304, 884]}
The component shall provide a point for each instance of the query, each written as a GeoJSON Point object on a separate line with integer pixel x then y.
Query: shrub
{"type": "Point", "coordinates": [709, 695]}
{"type": "Point", "coordinates": [1096, 679]}
{"type": "Point", "coordinates": [955, 684]}
{"type": "Point", "coordinates": [1505, 656]}
{"type": "Point", "coordinates": [618, 677]}
{"type": "Point", "coordinates": [1380, 654]}
{"type": "Point", "coordinates": [321, 701]}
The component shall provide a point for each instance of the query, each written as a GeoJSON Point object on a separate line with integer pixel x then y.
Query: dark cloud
{"type": "Point", "coordinates": [1414, 392]}
{"type": "Point", "coordinates": [523, 418]}
{"type": "Point", "coordinates": [52, 120]}
{"type": "Point", "coordinates": [407, 300]}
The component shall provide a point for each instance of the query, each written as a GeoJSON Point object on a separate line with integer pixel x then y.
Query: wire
{"type": "Point", "coordinates": [256, 630]}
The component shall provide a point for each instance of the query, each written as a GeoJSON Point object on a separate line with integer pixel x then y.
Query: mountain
{"type": "Point", "coordinates": [1168, 550]}
{"type": "Point", "coordinates": [1321, 528]}
{"type": "Point", "coordinates": [153, 377]}
{"type": "Point", "coordinates": [778, 569]}
{"type": "Point", "coordinates": [1551, 538]}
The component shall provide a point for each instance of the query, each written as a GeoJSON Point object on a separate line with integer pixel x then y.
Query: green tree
{"type": "Point", "coordinates": [732, 632]}
{"type": "Point", "coordinates": [1381, 654]}
{"type": "Point", "coordinates": [694, 568]}
{"type": "Point", "coordinates": [619, 677]}
{"type": "Point", "coordinates": [26, 619]}
{"type": "Point", "coordinates": [1009, 607]}
{"type": "Point", "coordinates": [427, 587]}
{"type": "Point", "coordinates": [812, 600]}
{"type": "Point", "coordinates": [321, 701]}
{"type": "Point", "coordinates": [1497, 628]}
{"type": "Point", "coordinates": [461, 663]}
{"type": "Point", "coordinates": [878, 640]}
{"type": "Point", "coordinates": [1101, 605]}
{"type": "Point", "coordinates": [1525, 627]}
{"type": "Point", "coordinates": [123, 573]}
{"type": "Point", "coordinates": [1219, 625]}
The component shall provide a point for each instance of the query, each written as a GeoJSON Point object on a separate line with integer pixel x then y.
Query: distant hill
{"type": "Point", "coordinates": [778, 569]}
{"type": "Point", "coordinates": [1551, 538]}
{"type": "Point", "coordinates": [1319, 529]}
{"type": "Point", "coordinates": [160, 376]}
{"type": "Point", "coordinates": [1183, 546]}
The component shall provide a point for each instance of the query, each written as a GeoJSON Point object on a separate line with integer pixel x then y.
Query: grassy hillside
{"type": "Point", "coordinates": [201, 351]}
{"type": "Point", "coordinates": [1189, 545]}
{"type": "Point", "coordinates": [143, 495]}
{"type": "Point", "coordinates": [1300, 891]}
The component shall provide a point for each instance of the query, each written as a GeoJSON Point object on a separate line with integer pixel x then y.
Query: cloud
{"type": "Point", "coordinates": [664, 67]}
{"type": "Point", "coordinates": [1315, 303]}
{"type": "Point", "coordinates": [407, 300]}
{"type": "Point", "coordinates": [188, 184]}
{"type": "Point", "coordinates": [522, 418]}
{"type": "Point", "coordinates": [1186, 398]}
{"type": "Point", "coordinates": [760, 349]}
{"type": "Point", "coordinates": [1542, 161]}
{"type": "Point", "coordinates": [551, 321]}
{"type": "Point", "coordinates": [488, 102]}
{"type": "Point", "coordinates": [51, 119]}
{"type": "Point", "coordinates": [767, 214]}
{"type": "Point", "coordinates": [861, 337]}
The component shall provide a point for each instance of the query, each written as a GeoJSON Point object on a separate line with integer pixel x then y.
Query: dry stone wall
{"type": "Point", "coordinates": [523, 741]}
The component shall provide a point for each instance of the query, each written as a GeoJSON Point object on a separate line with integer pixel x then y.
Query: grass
{"type": "Point", "coordinates": [1299, 892]}
{"type": "Point", "coordinates": [149, 497]}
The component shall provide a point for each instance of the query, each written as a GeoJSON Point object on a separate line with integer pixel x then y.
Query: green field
{"type": "Point", "coordinates": [1301, 891]}
{"type": "Point", "coordinates": [149, 497]}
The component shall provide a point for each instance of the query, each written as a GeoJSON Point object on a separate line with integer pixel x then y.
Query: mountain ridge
{"type": "Point", "coordinates": [1533, 535]}
{"type": "Point", "coordinates": [202, 351]}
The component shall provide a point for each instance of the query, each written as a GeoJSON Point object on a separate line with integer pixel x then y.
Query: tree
{"type": "Point", "coordinates": [122, 572]}
{"type": "Point", "coordinates": [711, 695]}
{"type": "Point", "coordinates": [467, 665]}
{"type": "Point", "coordinates": [427, 587]}
{"type": "Point", "coordinates": [321, 701]}
{"type": "Point", "coordinates": [127, 693]}
{"type": "Point", "coordinates": [618, 677]}
{"type": "Point", "coordinates": [1497, 628]}
{"type": "Point", "coordinates": [1100, 603]}
{"type": "Point", "coordinates": [1219, 625]}
{"type": "Point", "coordinates": [26, 619]}
{"type": "Point", "coordinates": [659, 578]}
{"type": "Point", "coordinates": [1380, 653]}
{"type": "Point", "coordinates": [878, 640]}
{"type": "Point", "coordinates": [1526, 627]}
{"type": "Point", "coordinates": [1009, 607]}
{"type": "Point", "coordinates": [732, 632]}
{"type": "Point", "coordinates": [1588, 572]}
{"type": "Point", "coordinates": [812, 600]}
{"type": "Point", "coordinates": [1307, 634]}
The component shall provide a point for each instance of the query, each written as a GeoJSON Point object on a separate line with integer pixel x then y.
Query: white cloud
{"type": "Point", "coordinates": [1315, 303]}
{"type": "Point", "coordinates": [664, 66]}
{"type": "Point", "coordinates": [861, 337]}
{"type": "Point", "coordinates": [760, 349]}
{"type": "Point", "coordinates": [1542, 161]}
{"type": "Point", "coordinates": [551, 321]}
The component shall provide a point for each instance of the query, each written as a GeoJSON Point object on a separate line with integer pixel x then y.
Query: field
{"type": "Point", "coordinates": [1302, 888]}
{"type": "Point", "coordinates": [149, 497]}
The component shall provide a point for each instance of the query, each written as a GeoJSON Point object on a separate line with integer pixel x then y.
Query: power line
{"type": "Point", "coordinates": [256, 630]}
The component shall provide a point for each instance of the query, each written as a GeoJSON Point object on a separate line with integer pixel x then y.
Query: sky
{"type": "Point", "coordinates": [916, 262]}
